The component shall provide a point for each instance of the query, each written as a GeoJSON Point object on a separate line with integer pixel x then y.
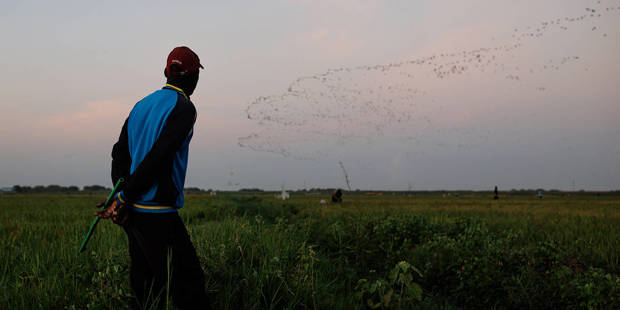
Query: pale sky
{"type": "Point", "coordinates": [406, 94]}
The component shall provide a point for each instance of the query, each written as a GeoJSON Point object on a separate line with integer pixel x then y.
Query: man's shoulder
{"type": "Point", "coordinates": [157, 95]}
{"type": "Point", "coordinates": [165, 99]}
{"type": "Point", "coordinates": [161, 94]}
{"type": "Point", "coordinates": [154, 103]}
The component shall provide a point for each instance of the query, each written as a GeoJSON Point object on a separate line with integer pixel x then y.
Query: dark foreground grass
{"type": "Point", "coordinates": [420, 251]}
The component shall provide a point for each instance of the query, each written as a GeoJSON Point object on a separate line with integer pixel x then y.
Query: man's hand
{"type": "Point", "coordinates": [119, 212]}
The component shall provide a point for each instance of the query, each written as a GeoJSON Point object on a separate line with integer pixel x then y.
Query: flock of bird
{"type": "Point", "coordinates": [401, 100]}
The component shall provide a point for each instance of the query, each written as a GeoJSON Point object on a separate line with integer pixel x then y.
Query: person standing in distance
{"type": "Point", "coordinates": [151, 155]}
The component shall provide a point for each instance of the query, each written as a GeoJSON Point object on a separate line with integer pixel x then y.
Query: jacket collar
{"type": "Point", "coordinates": [170, 86]}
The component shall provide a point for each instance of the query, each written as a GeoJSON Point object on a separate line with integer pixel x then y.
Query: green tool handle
{"type": "Point", "coordinates": [96, 220]}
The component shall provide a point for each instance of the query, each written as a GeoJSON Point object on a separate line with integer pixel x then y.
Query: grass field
{"type": "Point", "coordinates": [419, 251]}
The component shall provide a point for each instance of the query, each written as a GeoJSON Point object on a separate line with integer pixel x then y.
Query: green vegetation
{"type": "Point", "coordinates": [396, 251]}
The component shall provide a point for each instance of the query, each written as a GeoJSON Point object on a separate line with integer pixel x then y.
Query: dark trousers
{"type": "Point", "coordinates": [160, 247]}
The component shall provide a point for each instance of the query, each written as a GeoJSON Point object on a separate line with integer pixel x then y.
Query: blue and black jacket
{"type": "Point", "coordinates": [151, 152]}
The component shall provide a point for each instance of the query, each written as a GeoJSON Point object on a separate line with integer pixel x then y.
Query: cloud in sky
{"type": "Point", "coordinates": [94, 121]}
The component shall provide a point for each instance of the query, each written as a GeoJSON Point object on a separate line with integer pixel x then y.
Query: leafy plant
{"type": "Point", "coordinates": [397, 290]}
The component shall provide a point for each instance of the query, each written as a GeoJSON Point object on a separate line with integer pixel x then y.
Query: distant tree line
{"type": "Point", "coordinates": [250, 190]}
{"type": "Point", "coordinates": [22, 189]}
{"type": "Point", "coordinates": [195, 190]}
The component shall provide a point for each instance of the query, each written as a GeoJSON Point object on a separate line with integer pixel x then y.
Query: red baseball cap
{"type": "Point", "coordinates": [185, 59]}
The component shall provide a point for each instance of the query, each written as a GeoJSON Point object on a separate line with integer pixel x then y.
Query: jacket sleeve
{"type": "Point", "coordinates": [121, 160]}
{"type": "Point", "coordinates": [178, 126]}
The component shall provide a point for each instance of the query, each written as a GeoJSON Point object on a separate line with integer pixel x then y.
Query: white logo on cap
{"type": "Point", "coordinates": [177, 61]}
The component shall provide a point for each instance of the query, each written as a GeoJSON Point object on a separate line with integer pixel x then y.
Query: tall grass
{"type": "Point", "coordinates": [262, 253]}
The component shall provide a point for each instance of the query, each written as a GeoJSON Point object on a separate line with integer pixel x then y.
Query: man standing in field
{"type": "Point", "coordinates": [337, 196]}
{"type": "Point", "coordinates": [151, 155]}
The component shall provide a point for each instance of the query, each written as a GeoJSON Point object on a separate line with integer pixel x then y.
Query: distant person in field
{"type": "Point", "coordinates": [496, 194]}
{"type": "Point", "coordinates": [151, 155]}
{"type": "Point", "coordinates": [337, 196]}
{"type": "Point", "coordinates": [539, 194]}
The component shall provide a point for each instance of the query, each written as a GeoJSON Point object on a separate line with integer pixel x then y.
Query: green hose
{"type": "Point", "coordinates": [96, 220]}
